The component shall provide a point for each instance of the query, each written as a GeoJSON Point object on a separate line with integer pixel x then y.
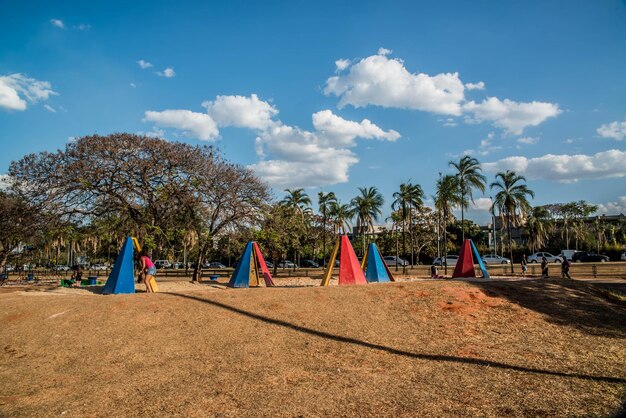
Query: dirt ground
{"type": "Point", "coordinates": [411, 348]}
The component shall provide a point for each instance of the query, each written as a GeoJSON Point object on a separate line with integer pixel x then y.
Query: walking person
{"type": "Point", "coordinates": [524, 265]}
{"type": "Point", "coordinates": [565, 265]}
{"type": "Point", "coordinates": [544, 268]}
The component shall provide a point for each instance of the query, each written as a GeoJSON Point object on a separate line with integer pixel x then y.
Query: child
{"type": "Point", "coordinates": [434, 274]}
{"type": "Point", "coordinates": [77, 275]}
{"type": "Point", "coordinates": [147, 270]}
{"type": "Point", "coordinates": [524, 265]}
{"type": "Point", "coordinates": [565, 268]}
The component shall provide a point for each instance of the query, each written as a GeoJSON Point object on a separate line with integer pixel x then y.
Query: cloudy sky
{"type": "Point", "coordinates": [334, 95]}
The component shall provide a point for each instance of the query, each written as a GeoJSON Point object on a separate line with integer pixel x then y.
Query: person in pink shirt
{"type": "Point", "coordinates": [147, 270]}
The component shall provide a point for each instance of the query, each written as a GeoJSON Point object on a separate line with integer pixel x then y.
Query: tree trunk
{"type": "Point", "coordinates": [508, 221]}
{"type": "Point", "coordinates": [397, 247]}
{"type": "Point", "coordinates": [197, 271]}
{"type": "Point", "coordinates": [462, 216]}
{"type": "Point", "coordinates": [324, 238]}
{"type": "Point", "coordinates": [403, 245]}
{"type": "Point", "coordinates": [411, 237]}
{"type": "Point", "coordinates": [445, 243]}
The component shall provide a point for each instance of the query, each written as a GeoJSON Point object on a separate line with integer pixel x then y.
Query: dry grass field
{"type": "Point", "coordinates": [412, 348]}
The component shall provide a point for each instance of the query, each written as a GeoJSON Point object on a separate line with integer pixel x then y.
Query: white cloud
{"type": "Point", "coordinates": [528, 140]}
{"type": "Point", "coordinates": [144, 64]}
{"type": "Point", "coordinates": [167, 73]}
{"type": "Point", "coordinates": [611, 163]}
{"type": "Point", "coordinates": [133, 85]}
{"type": "Point", "coordinates": [614, 130]}
{"type": "Point", "coordinates": [241, 111]}
{"type": "Point", "coordinates": [512, 116]}
{"type": "Point", "coordinates": [342, 64]}
{"type": "Point", "coordinates": [613, 208]}
{"type": "Point", "coordinates": [5, 182]}
{"type": "Point", "coordinates": [83, 26]}
{"type": "Point", "coordinates": [17, 90]}
{"type": "Point", "coordinates": [57, 23]}
{"type": "Point", "coordinates": [49, 108]}
{"type": "Point", "coordinates": [287, 156]}
{"type": "Point", "coordinates": [482, 203]}
{"type": "Point", "coordinates": [379, 80]}
{"type": "Point", "coordinates": [198, 125]}
{"type": "Point", "coordinates": [383, 81]}
{"type": "Point", "coordinates": [337, 131]}
{"type": "Point", "coordinates": [486, 146]}
{"type": "Point", "coordinates": [475, 86]}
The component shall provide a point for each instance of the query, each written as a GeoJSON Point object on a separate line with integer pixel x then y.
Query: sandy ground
{"type": "Point", "coordinates": [412, 348]}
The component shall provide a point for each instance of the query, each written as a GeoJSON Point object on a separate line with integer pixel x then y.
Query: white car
{"type": "Point", "coordinates": [450, 260]}
{"type": "Point", "coordinates": [287, 264]}
{"type": "Point", "coordinates": [495, 259]}
{"type": "Point", "coordinates": [623, 257]}
{"type": "Point", "coordinates": [97, 267]}
{"type": "Point", "coordinates": [61, 268]}
{"type": "Point", "coordinates": [537, 257]}
{"type": "Point", "coordinates": [391, 260]}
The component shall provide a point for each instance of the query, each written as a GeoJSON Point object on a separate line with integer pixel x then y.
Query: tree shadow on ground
{"type": "Point", "coordinates": [565, 302]}
{"type": "Point", "coordinates": [395, 351]}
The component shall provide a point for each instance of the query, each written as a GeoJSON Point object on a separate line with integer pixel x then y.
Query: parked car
{"type": "Point", "coordinates": [495, 259]}
{"type": "Point", "coordinates": [337, 263]}
{"type": "Point", "coordinates": [99, 267]}
{"type": "Point", "coordinates": [568, 254]}
{"type": "Point", "coordinates": [450, 260]}
{"type": "Point", "coordinates": [162, 264]}
{"type": "Point", "coordinates": [537, 257]}
{"type": "Point", "coordinates": [391, 260]}
{"type": "Point", "coordinates": [287, 264]}
{"type": "Point", "coordinates": [588, 257]}
{"type": "Point", "coordinates": [61, 267]}
{"type": "Point", "coordinates": [8, 268]}
{"type": "Point", "coordinates": [269, 264]}
{"type": "Point", "coordinates": [215, 265]}
{"type": "Point", "coordinates": [309, 264]}
{"type": "Point", "coordinates": [623, 257]}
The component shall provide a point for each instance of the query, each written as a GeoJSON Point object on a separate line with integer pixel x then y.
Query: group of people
{"type": "Point", "coordinates": [565, 265]}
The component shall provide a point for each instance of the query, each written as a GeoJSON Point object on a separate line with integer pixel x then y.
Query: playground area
{"type": "Point", "coordinates": [433, 347]}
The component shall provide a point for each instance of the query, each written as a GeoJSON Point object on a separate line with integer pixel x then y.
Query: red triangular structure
{"type": "Point", "coordinates": [266, 272]}
{"type": "Point", "coordinates": [349, 268]}
{"type": "Point", "coordinates": [465, 263]}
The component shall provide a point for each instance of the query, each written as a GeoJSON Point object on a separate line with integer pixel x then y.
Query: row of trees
{"type": "Point", "coordinates": [184, 200]}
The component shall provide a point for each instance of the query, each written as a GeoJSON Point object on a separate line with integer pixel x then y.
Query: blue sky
{"type": "Point", "coordinates": [334, 95]}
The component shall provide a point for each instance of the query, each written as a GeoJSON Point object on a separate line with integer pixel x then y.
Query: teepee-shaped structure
{"type": "Point", "coordinates": [349, 268]}
{"type": "Point", "coordinates": [465, 264]}
{"type": "Point", "coordinates": [122, 277]}
{"type": "Point", "coordinates": [376, 270]}
{"type": "Point", "coordinates": [251, 265]}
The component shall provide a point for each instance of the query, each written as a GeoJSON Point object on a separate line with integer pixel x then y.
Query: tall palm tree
{"type": "Point", "coordinates": [512, 201]}
{"type": "Point", "coordinates": [539, 227]}
{"type": "Point", "coordinates": [447, 197]}
{"type": "Point", "coordinates": [406, 198]}
{"type": "Point", "coordinates": [325, 200]}
{"type": "Point", "coordinates": [468, 173]}
{"type": "Point", "coordinates": [297, 200]}
{"type": "Point", "coordinates": [340, 215]}
{"type": "Point", "coordinates": [366, 207]}
{"type": "Point", "coordinates": [395, 218]}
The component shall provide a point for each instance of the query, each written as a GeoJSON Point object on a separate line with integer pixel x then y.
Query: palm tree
{"type": "Point", "coordinates": [469, 177]}
{"type": "Point", "coordinates": [539, 227]}
{"type": "Point", "coordinates": [512, 201]}
{"type": "Point", "coordinates": [325, 200]}
{"type": "Point", "coordinates": [395, 218]}
{"type": "Point", "coordinates": [446, 198]}
{"type": "Point", "coordinates": [366, 207]}
{"type": "Point", "coordinates": [297, 200]}
{"type": "Point", "coordinates": [410, 195]}
{"type": "Point", "coordinates": [340, 215]}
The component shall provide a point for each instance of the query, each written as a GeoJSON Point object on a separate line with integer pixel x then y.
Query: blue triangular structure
{"type": "Point", "coordinates": [375, 270]}
{"type": "Point", "coordinates": [480, 261]}
{"type": "Point", "coordinates": [241, 275]}
{"type": "Point", "coordinates": [122, 278]}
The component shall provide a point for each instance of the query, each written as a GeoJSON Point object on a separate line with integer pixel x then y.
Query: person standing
{"type": "Point", "coordinates": [544, 267]}
{"type": "Point", "coordinates": [524, 265]}
{"type": "Point", "coordinates": [565, 265]}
